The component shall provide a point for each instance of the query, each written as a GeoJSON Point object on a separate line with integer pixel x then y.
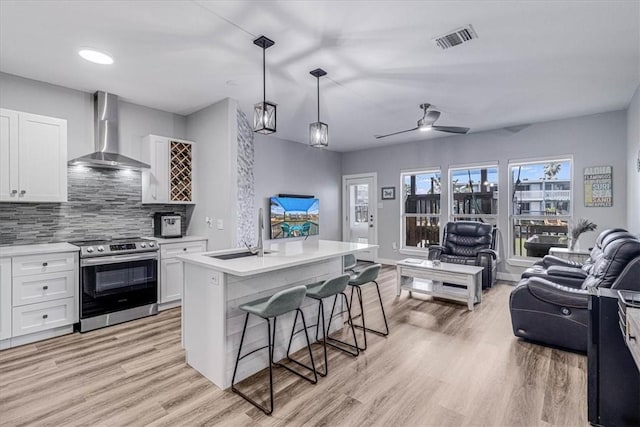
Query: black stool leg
{"type": "Point", "coordinates": [311, 368]}
{"type": "Point", "coordinates": [354, 346]}
{"type": "Point", "coordinates": [363, 326]}
{"type": "Point", "coordinates": [384, 316]}
{"type": "Point", "coordinates": [264, 409]}
{"type": "Point", "coordinates": [324, 336]}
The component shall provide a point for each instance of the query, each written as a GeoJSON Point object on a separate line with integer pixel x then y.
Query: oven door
{"type": "Point", "coordinates": [118, 282]}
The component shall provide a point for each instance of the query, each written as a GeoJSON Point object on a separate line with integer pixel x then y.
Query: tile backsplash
{"type": "Point", "coordinates": [102, 203]}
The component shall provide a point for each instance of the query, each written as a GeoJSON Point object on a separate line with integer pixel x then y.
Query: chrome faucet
{"type": "Point", "coordinates": [259, 250]}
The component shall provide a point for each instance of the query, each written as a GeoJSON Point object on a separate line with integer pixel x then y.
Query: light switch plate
{"type": "Point", "coordinates": [220, 224]}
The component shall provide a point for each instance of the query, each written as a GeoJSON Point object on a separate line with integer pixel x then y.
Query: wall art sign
{"type": "Point", "coordinates": [598, 186]}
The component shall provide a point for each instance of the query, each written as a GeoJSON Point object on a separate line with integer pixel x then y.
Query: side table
{"type": "Point", "coordinates": [576, 255]}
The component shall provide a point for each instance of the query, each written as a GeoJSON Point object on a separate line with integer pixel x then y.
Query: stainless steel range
{"type": "Point", "coordinates": [118, 281]}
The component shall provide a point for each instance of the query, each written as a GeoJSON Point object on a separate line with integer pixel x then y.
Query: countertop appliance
{"type": "Point", "coordinates": [118, 281]}
{"type": "Point", "coordinates": [167, 225]}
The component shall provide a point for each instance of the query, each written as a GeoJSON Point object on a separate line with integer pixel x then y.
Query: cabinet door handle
{"type": "Point", "coordinates": [23, 192]}
{"type": "Point", "coordinates": [45, 287]}
{"type": "Point", "coordinates": [44, 316]}
{"type": "Point", "coordinates": [44, 264]}
{"type": "Point", "coordinates": [184, 249]}
{"type": "Point", "coordinates": [14, 192]}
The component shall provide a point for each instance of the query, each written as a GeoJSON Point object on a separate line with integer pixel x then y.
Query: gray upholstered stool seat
{"type": "Point", "coordinates": [349, 262]}
{"type": "Point", "coordinates": [326, 289]}
{"type": "Point", "coordinates": [364, 277]}
{"type": "Point", "coordinates": [277, 304]}
{"type": "Point", "coordinates": [269, 308]}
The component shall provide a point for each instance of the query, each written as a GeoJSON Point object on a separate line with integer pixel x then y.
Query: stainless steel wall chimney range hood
{"type": "Point", "coordinates": [107, 154]}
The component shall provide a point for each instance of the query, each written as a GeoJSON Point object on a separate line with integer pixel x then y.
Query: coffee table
{"type": "Point", "coordinates": [422, 276]}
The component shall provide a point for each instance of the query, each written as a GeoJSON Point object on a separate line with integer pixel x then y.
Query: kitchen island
{"type": "Point", "coordinates": [214, 288]}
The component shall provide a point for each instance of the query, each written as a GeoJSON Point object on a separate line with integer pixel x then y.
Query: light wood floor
{"type": "Point", "coordinates": [441, 365]}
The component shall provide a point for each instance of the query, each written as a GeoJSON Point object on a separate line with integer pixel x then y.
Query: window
{"type": "Point", "coordinates": [473, 193]}
{"type": "Point", "coordinates": [420, 208]}
{"type": "Point", "coordinates": [360, 203]}
{"type": "Point", "coordinates": [541, 206]}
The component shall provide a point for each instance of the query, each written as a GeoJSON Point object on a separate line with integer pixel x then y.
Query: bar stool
{"type": "Point", "coordinates": [332, 288]}
{"type": "Point", "coordinates": [269, 308]}
{"type": "Point", "coordinates": [349, 262]}
{"type": "Point", "coordinates": [363, 277]}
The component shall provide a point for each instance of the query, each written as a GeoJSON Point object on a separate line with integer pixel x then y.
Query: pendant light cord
{"type": "Point", "coordinates": [264, 80]}
{"type": "Point", "coordinates": [318, 80]}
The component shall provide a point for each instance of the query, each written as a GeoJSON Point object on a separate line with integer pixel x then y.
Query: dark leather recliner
{"type": "Point", "coordinates": [555, 311]}
{"type": "Point", "coordinates": [552, 266]}
{"type": "Point", "coordinates": [470, 243]}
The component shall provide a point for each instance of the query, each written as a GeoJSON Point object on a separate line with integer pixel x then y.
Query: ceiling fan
{"type": "Point", "coordinates": [426, 123]}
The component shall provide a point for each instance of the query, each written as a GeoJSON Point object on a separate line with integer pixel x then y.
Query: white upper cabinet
{"type": "Point", "coordinates": [171, 177]}
{"type": "Point", "coordinates": [33, 158]}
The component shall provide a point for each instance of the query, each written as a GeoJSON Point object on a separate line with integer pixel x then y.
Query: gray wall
{"type": "Point", "coordinates": [214, 130]}
{"type": "Point", "coordinates": [136, 121]}
{"type": "Point", "coordinates": [594, 140]}
{"type": "Point", "coordinates": [633, 158]}
{"type": "Point", "coordinates": [289, 167]}
{"type": "Point", "coordinates": [100, 202]}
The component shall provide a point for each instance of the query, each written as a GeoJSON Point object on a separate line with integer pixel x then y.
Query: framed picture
{"type": "Point", "coordinates": [388, 193]}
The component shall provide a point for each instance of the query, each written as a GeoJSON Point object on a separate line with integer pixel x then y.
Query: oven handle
{"type": "Point", "coordinates": [115, 259]}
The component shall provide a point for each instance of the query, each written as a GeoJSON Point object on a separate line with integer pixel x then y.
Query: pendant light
{"type": "Point", "coordinates": [318, 131]}
{"type": "Point", "coordinates": [264, 113]}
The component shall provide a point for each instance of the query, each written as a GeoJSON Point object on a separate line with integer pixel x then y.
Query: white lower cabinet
{"type": "Point", "coordinates": [171, 280]}
{"type": "Point", "coordinates": [38, 296]}
{"type": "Point", "coordinates": [32, 318]}
{"type": "Point", "coordinates": [5, 298]}
{"type": "Point", "coordinates": [170, 277]}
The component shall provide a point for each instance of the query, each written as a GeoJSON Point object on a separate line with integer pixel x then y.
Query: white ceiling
{"type": "Point", "coordinates": [533, 61]}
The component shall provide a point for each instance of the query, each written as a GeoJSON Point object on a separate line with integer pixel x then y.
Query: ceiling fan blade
{"type": "Point", "coordinates": [450, 129]}
{"type": "Point", "coordinates": [395, 133]}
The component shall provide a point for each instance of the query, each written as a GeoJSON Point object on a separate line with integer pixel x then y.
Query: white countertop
{"type": "Point", "coordinates": [284, 255]}
{"type": "Point", "coordinates": [36, 249]}
{"type": "Point", "coordinates": [183, 239]}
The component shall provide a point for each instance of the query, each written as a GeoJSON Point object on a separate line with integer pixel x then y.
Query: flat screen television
{"type": "Point", "coordinates": [293, 217]}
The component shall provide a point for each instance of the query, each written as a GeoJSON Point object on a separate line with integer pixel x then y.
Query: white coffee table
{"type": "Point", "coordinates": [422, 276]}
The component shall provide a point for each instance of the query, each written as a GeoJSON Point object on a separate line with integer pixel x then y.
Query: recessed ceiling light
{"type": "Point", "coordinates": [95, 56]}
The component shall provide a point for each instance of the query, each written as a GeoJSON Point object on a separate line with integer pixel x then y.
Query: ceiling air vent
{"type": "Point", "coordinates": [456, 37]}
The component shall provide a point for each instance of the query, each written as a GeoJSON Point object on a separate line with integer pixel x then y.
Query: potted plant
{"type": "Point", "coordinates": [581, 226]}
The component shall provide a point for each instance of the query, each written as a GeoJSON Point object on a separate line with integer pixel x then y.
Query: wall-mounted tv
{"type": "Point", "coordinates": [293, 217]}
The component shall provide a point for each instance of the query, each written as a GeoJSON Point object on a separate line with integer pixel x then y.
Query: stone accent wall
{"type": "Point", "coordinates": [247, 216]}
{"type": "Point", "coordinates": [102, 203]}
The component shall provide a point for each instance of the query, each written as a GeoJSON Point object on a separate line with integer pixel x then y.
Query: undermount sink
{"type": "Point", "coordinates": [236, 255]}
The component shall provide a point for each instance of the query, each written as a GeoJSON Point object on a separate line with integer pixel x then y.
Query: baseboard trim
{"type": "Point", "coordinates": [509, 277]}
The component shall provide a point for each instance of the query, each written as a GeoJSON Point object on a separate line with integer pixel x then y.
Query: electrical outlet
{"type": "Point", "coordinates": [209, 221]}
{"type": "Point", "coordinates": [395, 246]}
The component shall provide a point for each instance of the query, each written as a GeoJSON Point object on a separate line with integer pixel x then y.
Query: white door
{"type": "Point", "coordinates": [359, 209]}
{"type": "Point", "coordinates": [8, 155]}
{"type": "Point", "coordinates": [170, 280]}
{"type": "Point", "coordinates": [42, 159]}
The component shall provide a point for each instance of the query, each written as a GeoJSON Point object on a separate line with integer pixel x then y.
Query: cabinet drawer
{"type": "Point", "coordinates": [45, 315]}
{"type": "Point", "coordinates": [47, 263]}
{"type": "Point", "coordinates": [43, 287]}
{"type": "Point", "coordinates": [174, 249]}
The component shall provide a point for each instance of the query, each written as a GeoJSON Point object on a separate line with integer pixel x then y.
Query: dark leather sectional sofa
{"type": "Point", "coordinates": [550, 304]}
